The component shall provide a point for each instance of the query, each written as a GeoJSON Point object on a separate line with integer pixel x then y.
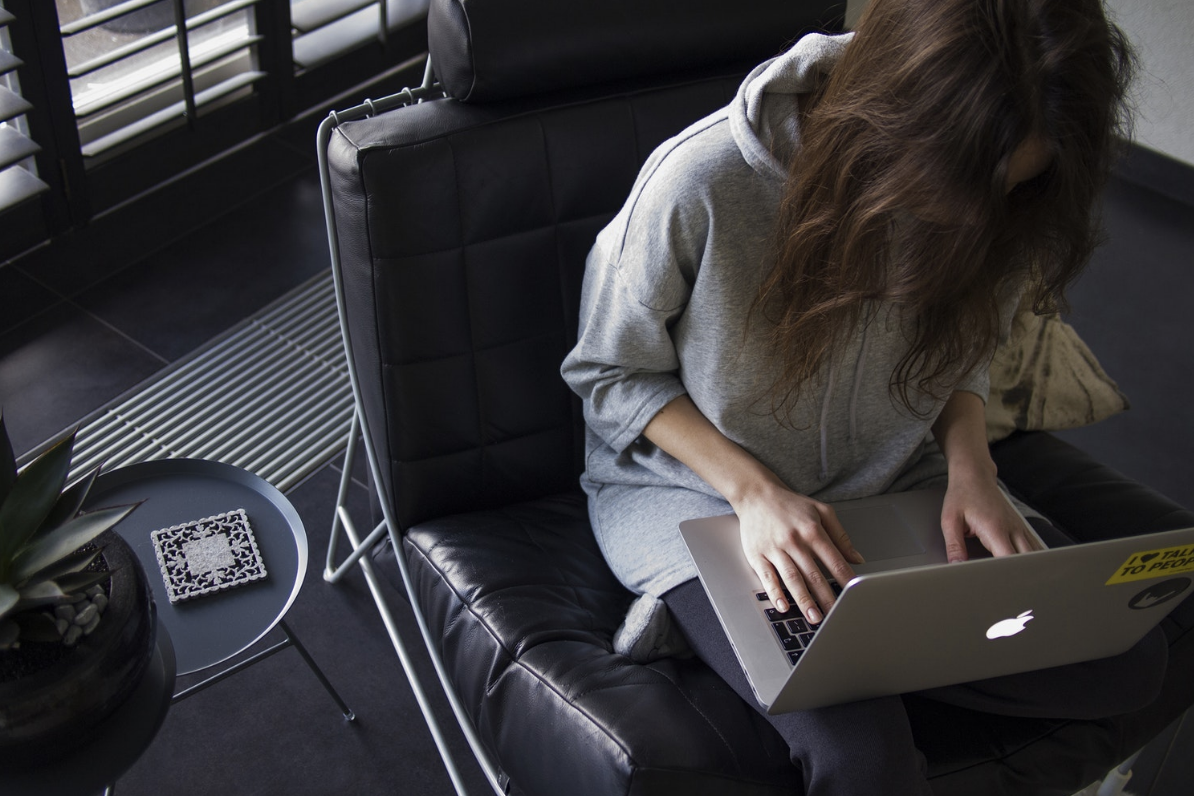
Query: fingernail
{"type": "Point", "coordinates": [781, 605]}
{"type": "Point", "coordinates": [814, 616]}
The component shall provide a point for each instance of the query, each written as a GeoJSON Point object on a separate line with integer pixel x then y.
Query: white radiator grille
{"type": "Point", "coordinates": [271, 396]}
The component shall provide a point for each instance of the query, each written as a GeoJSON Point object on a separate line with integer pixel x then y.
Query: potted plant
{"type": "Point", "coordinates": [77, 627]}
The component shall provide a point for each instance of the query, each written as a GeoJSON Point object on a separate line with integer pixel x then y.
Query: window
{"type": "Point", "coordinates": [124, 95]}
{"type": "Point", "coordinates": [325, 29]}
{"type": "Point", "coordinates": [133, 70]}
{"type": "Point", "coordinates": [18, 171]}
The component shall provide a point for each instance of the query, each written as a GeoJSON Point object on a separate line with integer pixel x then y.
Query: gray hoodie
{"type": "Point", "coordinates": [667, 292]}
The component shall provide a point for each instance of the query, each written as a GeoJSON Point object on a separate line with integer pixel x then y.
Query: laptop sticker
{"type": "Point", "coordinates": [1154, 564]}
{"type": "Point", "coordinates": [1159, 593]}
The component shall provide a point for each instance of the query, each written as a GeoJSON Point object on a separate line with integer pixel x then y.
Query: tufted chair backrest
{"type": "Point", "coordinates": [463, 229]}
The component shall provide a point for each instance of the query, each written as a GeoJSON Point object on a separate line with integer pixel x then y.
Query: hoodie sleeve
{"type": "Point", "coordinates": [638, 280]}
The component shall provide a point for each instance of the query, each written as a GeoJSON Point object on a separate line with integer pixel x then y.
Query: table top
{"type": "Point", "coordinates": [117, 741]}
{"type": "Point", "coordinates": [211, 628]}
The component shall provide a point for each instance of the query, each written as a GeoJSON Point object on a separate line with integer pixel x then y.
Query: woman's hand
{"type": "Point", "coordinates": [974, 504]}
{"type": "Point", "coordinates": [977, 507]}
{"type": "Point", "coordinates": [786, 537]}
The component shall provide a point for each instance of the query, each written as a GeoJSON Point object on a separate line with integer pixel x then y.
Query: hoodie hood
{"type": "Point", "coordinates": [765, 125]}
{"type": "Point", "coordinates": [763, 118]}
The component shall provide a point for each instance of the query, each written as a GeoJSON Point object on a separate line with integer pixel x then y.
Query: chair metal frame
{"type": "Point", "coordinates": [1112, 785]}
{"type": "Point", "coordinates": [358, 434]}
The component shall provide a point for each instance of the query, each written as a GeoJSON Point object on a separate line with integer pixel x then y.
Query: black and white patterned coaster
{"type": "Point", "coordinates": [207, 555]}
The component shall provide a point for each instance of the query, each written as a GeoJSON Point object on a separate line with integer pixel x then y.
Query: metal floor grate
{"type": "Point", "coordinates": [271, 396]}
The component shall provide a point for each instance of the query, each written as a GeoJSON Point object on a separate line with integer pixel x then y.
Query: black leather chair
{"type": "Point", "coordinates": [459, 230]}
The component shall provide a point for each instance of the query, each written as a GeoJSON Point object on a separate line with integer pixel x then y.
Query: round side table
{"type": "Point", "coordinates": [211, 628]}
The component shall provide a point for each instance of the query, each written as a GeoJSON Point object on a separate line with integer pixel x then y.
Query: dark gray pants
{"type": "Point", "coordinates": [867, 747]}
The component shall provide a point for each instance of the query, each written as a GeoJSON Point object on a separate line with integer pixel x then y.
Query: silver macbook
{"type": "Point", "coordinates": [909, 621]}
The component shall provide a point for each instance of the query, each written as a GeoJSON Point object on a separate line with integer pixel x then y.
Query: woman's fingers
{"type": "Point", "coordinates": [798, 568]}
{"type": "Point", "coordinates": [817, 596]}
{"type": "Point", "coordinates": [1025, 542]}
{"type": "Point", "coordinates": [953, 528]}
{"type": "Point", "coordinates": [788, 576]}
{"type": "Point", "coordinates": [771, 584]}
{"type": "Point", "coordinates": [797, 543]}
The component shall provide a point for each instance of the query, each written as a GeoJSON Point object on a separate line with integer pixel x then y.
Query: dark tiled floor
{"type": "Point", "coordinates": [63, 356]}
{"type": "Point", "coordinates": [21, 298]}
{"type": "Point", "coordinates": [219, 278]}
{"type": "Point", "coordinates": [61, 365]}
{"type": "Point", "coordinates": [1133, 309]}
{"type": "Point", "coordinates": [75, 263]}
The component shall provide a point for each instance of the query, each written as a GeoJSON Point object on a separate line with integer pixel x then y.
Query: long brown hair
{"type": "Point", "coordinates": [897, 192]}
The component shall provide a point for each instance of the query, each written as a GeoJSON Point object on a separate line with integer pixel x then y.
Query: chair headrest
{"type": "Point", "coordinates": [484, 50]}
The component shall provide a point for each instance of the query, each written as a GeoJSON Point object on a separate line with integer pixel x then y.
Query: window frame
{"type": "Point", "coordinates": [86, 188]}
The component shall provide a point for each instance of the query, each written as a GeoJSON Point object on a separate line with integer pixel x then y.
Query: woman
{"type": "Point", "coordinates": [797, 305]}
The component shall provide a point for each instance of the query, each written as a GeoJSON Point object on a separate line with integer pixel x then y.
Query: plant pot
{"type": "Point", "coordinates": [53, 708]}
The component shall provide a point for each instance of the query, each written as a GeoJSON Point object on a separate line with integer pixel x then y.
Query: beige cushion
{"type": "Point", "coordinates": [1044, 378]}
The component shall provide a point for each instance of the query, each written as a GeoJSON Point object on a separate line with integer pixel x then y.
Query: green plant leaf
{"type": "Point", "coordinates": [31, 498]}
{"type": "Point", "coordinates": [79, 582]}
{"type": "Point", "coordinates": [63, 541]}
{"type": "Point", "coordinates": [75, 562]}
{"type": "Point", "coordinates": [46, 592]}
{"type": "Point", "coordinates": [8, 462]}
{"type": "Point", "coordinates": [68, 504]}
{"type": "Point", "coordinates": [8, 598]}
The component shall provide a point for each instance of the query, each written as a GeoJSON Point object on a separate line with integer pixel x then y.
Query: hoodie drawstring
{"type": "Point", "coordinates": [825, 421]}
{"type": "Point", "coordinates": [859, 367]}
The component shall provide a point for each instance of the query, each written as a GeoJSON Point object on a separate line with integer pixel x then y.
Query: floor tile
{"type": "Point", "coordinates": [299, 136]}
{"type": "Point", "coordinates": [60, 367]}
{"type": "Point", "coordinates": [1132, 308]}
{"type": "Point", "coordinates": [21, 298]}
{"type": "Point", "coordinates": [181, 297]}
{"type": "Point", "coordinates": [179, 210]}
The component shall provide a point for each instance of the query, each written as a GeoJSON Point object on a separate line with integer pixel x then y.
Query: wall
{"type": "Point", "coordinates": [1162, 31]}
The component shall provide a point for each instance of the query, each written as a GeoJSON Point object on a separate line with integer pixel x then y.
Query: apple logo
{"type": "Point", "coordinates": [1010, 627]}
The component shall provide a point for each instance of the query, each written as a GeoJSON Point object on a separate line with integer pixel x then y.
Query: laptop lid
{"type": "Point", "coordinates": [907, 622]}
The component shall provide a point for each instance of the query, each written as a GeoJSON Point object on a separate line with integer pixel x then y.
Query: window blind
{"type": "Point", "coordinates": [18, 170]}
{"type": "Point", "coordinates": [140, 65]}
{"type": "Point", "coordinates": [326, 29]}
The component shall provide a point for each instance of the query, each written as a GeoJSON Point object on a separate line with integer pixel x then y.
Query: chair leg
{"type": "Point", "coordinates": [348, 714]}
{"type": "Point", "coordinates": [1117, 778]}
{"type": "Point", "coordinates": [350, 454]}
{"type": "Point", "coordinates": [416, 685]}
{"type": "Point", "coordinates": [342, 522]}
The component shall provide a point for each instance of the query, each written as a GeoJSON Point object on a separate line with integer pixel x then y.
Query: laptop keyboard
{"type": "Point", "coordinates": [793, 632]}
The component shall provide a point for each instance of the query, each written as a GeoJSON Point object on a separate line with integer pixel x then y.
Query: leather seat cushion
{"type": "Point", "coordinates": [527, 609]}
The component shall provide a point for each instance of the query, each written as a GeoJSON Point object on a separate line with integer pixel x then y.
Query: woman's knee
{"type": "Point", "coordinates": [859, 747]}
{"type": "Point", "coordinates": [1089, 690]}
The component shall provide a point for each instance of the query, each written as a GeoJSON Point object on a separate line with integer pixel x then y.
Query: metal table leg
{"type": "Point", "coordinates": [348, 714]}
